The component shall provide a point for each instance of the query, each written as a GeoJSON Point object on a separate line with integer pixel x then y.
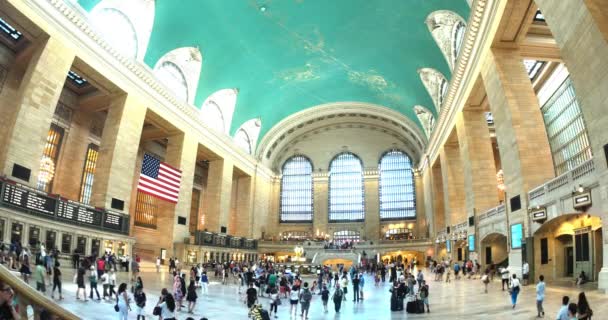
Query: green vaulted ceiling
{"type": "Point", "coordinates": [297, 54]}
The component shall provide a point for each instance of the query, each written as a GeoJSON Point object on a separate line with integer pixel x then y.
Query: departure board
{"type": "Point", "coordinates": [80, 213]}
{"type": "Point", "coordinates": [113, 221]}
{"type": "Point", "coordinates": [29, 199]}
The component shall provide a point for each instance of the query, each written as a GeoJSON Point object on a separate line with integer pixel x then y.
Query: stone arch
{"type": "Point", "coordinates": [136, 14]}
{"type": "Point", "coordinates": [436, 84]}
{"type": "Point", "coordinates": [181, 63]}
{"type": "Point", "coordinates": [445, 27]}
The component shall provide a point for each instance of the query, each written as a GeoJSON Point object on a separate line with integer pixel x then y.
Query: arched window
{"type": "Point", "coordinates": [426, 119]}
{"type": "Point", "coordinates": [346, 188]}
{"type": "Point", "coordinates": [218, 108]}
{"type": "Point", "coordinates": [173, 77]}
{"type": "Point", "coordinates": [241, 138]}
{"type": "Point", "coordinates": [443, 91]}
{"type": "Point", "coordinates": [397, 192]}
{"type": "Point", "coordinates": [296, 190]}
{"type": "Point", "coordinates": [117, 30]}
{"type": "Point", "coordinates": [436, 84]}
{"type": "Point", "coordinates": [458, 39]}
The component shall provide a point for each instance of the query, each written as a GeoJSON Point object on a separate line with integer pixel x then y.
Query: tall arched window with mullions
{"type": "Point", "coordinates": [296, 190]}
{"type": "Point", "coordinates": [346, 188]}
{"type": "Point", "coordinates": [397, 191]}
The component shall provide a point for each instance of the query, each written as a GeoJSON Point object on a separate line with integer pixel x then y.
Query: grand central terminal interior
{"type": "Point", "coordinates": [302, 138]}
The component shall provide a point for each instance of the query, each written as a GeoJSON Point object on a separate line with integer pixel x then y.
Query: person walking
{"type": "Point", "coordinates": [514, 289]}
{"type": "Point", "coordinates": [191, 296]}
{"type": "Point", "coordinates": [275, 301]}
{"type": "Point", "coordinates": [39, 276]}
{"type": "Point", "coordinates": [79, 280]}
{"type": "Point", "coordinates": [294, 296]}
{"type": "Point", "coordinates": [204, 282]}
{"type": "Point", "coordinates": [504, 275]}
{"type": "Point", "coordinates": [525, 270]}
{"type": "Point", "coordinates": [423, 291]}
{"type": "Point", "coordinates": [56, 281]}
{"type": "Point", "coordinates": [122, 302]}
{"type": "Point", "coordinates": [324, 297]}
{"type": "Point", "coordinates": [140, 303]}
{"type": "Point", "coordinates": [93, 283]}
{"type": "Point", "coordinates": [337, 297]}
{"type": "Point", "coordinates": [344, 286]}
{"type": "Point", "coordinates": [177, 291]}
{"type": "Point", "coordinates": [361, 285]}
{"type": "Point", "coordinates": [562, 314]}
{"type": "Point", "coordinates": [583, 308]}
{"type": "Point", "coordinates": [305, 298]}
{"type": "Point", "coordinates": [355, 282]}
{"type": "Point", "coordinates": [486, 280]}
{"type": "Point", "coordinates": [251, 295]}
{"type": "Point", "coordinates": [157, 264]}
{"type": "Point", "coordinates": [540, 296]}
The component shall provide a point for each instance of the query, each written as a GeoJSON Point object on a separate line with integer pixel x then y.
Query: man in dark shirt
{"type": "Point", "coordinates": [356, 288]}
{"type": "Point", "coordinates": [6, 299]}
{"type": "Point", "coordinates": [252, 295]}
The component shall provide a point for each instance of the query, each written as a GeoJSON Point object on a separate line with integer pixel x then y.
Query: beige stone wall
{"type": "Point", "coordinates": [453, 184]}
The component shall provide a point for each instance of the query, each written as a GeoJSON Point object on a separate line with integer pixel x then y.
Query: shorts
{"type": "Point", "coordinates": [526, 276]}
{"type": "Point", "coordinates": [140, 311]}
{"type": "Point", "coordinates": [293, 301]}
{"type": "Point", "coordinates": [40, 287]}
{"type": "Point", "coordinates": [426, 301]}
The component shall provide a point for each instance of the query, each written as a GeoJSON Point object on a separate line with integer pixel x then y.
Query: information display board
{"type": "Point", "coordinates": [78, 212]}
{"type": "Point", "coordinates": [29, 199]}
{"type": "Point", "coordinates": [517, 233]}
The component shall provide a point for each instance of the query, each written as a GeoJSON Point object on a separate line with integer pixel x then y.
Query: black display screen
{"type": "Point", "coordinates": [29, 199]}
{"type": "Point", "coordinates": [79, 213]}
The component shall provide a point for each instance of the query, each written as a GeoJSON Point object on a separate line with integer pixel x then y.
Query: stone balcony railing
{"type": "Point", "coordinates": [493, 212]}
{"type": "Point", "coordinates": [581, 174]}
{"type": "Point", "coordinates": [28, 298]}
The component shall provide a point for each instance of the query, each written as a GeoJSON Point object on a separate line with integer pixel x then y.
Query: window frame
{"type": "Point", "coordinates": [312, 191]}
{"type": "Point", "coordinates": [411, 168]}
{"type": "Point", "coordinates": [88, 170]}
{"type": "Point", "coordinates": [329, 188]}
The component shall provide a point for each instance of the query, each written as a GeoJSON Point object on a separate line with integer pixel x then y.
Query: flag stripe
{"type": "Point", "coordinates": [153, 183]}
{"type": "Point", "coordinates": [164, 170]}
{"type": "Point", "coordinates": [152, 193]}
{"type": "Point", "coordinates": [168, 180]}
{"type": "Point", "coordinates": [175, 170]}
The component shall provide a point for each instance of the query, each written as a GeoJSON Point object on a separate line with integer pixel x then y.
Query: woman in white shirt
{"type": "Point", "coordinates": [514, 289]}
{"type": "Point", "coordinates": [167, 307]}
{"type": "Point", "coordinates": [294, 296]}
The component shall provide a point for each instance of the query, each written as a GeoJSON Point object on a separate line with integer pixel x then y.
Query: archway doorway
{"type": "Point", "coordinates": [568, 246]}
{"type": "Point", "coordinates": [494, 250]}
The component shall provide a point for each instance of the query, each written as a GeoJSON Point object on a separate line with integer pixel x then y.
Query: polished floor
{"type": "Point", "coordinates": [460, 299]}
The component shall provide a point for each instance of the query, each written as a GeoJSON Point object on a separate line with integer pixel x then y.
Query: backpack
{"type": "Point", "coordinates": [265, 315]}
{"type": "Point", "coordinates": [306, 296]}
{"type": "Point", "coordinates": [338, 294]}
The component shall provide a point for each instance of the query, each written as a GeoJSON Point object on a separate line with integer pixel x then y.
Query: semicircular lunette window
{"type": "Point", "coordinates": [296, 190]}
{"type": "Point", "coordinates": [458, 39]}
{"type": "Point", "coordinates": [397, 193]}
{"type": "Point", "coordinates": [173, 77]}
{"type": "Point", "coordinates": [214, 117]}
{"type": "Point", "coordinates": [346, 189]}
{"type": "Point", "coordinates": [117, 29]}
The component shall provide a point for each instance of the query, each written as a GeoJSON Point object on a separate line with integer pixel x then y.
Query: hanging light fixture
{"type": "Point", "coordinates": [500, 179]}
{"type": "Point", "coordinates": [47, 170]}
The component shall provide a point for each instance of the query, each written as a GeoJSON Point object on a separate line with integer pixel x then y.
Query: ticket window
{"type": "Point", "coordinates": [81, 245]}
{"type": "Point", "coordinates": [66, 243]}
{"type": "Point", "coordinates": [16, 232]}
{"type": "Point", "coordinates": [192, 257]}
{"type": "Point", "coordinates": [122, 249]}
{"type": "Point", "coordinates": [34, 237]}
{"type": "Point", "coordinates": [49, 242]}
{"type": "Point", "coordinates": [95, 245]}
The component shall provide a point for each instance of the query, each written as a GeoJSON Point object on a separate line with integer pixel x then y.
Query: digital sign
{"type": "Point", "coordinates": [471, 242]}
{"type": "Point", "coordinates": [29, 199]}
{"type": "Point", "coordinates": [78, 212]}
{"type": "Point", "coordinates": [517, 233]}
{"type": "Point", "coordinates": [448, 246]}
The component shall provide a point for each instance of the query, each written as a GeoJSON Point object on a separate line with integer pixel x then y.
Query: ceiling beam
{"type": "Point", "coordinates": [540, 47]}
{"type": "Point", "coordinates": [151, 134]}
{"type": "Point", "coordinates": [96, 101]}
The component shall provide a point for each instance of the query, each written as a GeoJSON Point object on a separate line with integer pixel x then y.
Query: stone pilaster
{"type": "Point", "coordinates": [372, 208]}
{"type": "Point", "coordinates": [116, 164]}
{"type": "Point", "coordinates": [27, 116]}
{"type": "Point", "coordinates": [479, 170]}
{"type": "Point", "coordinates": [580, 28]}
{"type": "Point", "coordinates": [427, 184]}
{"type": "Point", "coordinates": [453, 183]}
{"type": "Point", "coordinates": [520, 129]}
{"type": "Point", "coordinates": [320, 186]}
{"type": "Point", "coordinates": [439, 219]}
{"type": "Point", "coordinates": [262, 202]}
{"type": "Point", "coordinates": [219, 191]}
{"type": "Point", "coordinates": [421, 217]}
{"type": "Point", "coordinates": [242, 227]}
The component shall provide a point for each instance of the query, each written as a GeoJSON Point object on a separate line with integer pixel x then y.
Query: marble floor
{"type": "Point", "coordinates": [460, 299]}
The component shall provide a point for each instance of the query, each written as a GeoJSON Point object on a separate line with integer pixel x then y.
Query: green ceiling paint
{"type": "Point", "coordinates": [301, 53]}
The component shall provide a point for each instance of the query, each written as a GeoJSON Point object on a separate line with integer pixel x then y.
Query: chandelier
{"type": "Point", "coordinates": [500, 179]}
{"type": "Point", "coordinates": [47, 170]}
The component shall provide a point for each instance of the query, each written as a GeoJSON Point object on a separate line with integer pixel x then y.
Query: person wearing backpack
{"type": "Point", "coordinates": [324, 297]}
{"type": "Point", "coordinates": [305, 298]}
{"type": "Point", "coordinates": [486, 280]}
{"type": "Point", "coordinates": [424, 295]}
{"type": "Point", "coordinates": [140, 303]}
{"type": "Point", "coordinates": [337, 297]}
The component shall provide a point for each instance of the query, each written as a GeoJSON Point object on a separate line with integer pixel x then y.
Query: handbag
{"type": "Point", "coordinates": [116, 307]}
{"type": "Point", "coordinates": [156, 311]}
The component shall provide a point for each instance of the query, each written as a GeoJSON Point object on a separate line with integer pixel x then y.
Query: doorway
{"type": "Point", "coordinates": [488, 255]}
{"type": "Point", "coordinates": [569, 261]}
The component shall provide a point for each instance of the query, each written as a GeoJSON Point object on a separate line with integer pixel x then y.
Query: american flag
{"type": "Point", "coordinates": [159, 179]}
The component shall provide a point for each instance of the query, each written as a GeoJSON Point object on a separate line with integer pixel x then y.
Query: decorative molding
{"type": "Point", "coordinates": [69, 19]}
{"type": "Point", "coordinates": [482, 24]}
